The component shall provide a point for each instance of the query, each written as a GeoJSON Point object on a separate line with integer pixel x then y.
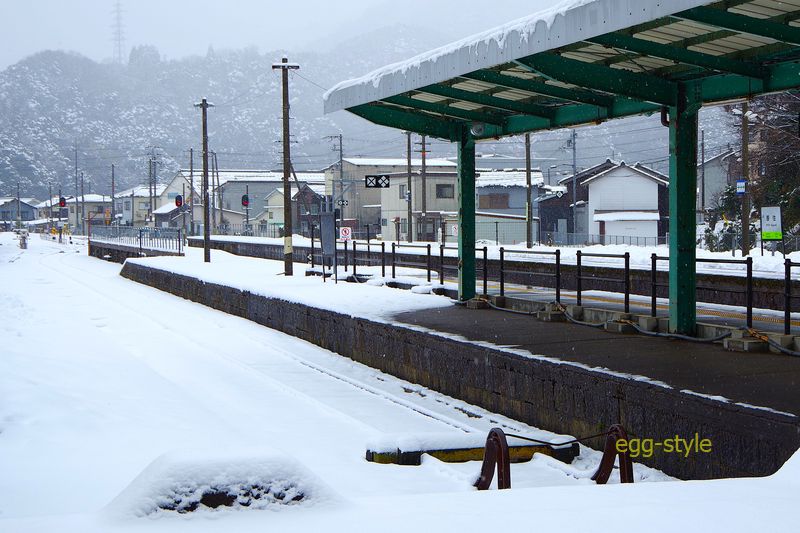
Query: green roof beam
{"type": "Point", "coordinates": [441, 108]}
{"type": "Point", "coordinates": [634, 85]}
{"type": "Point", "coordinates": [742, 23]}
{"type": "Point", "coordinates": [394, 117]}
{"type": "Point", "coordinates": [781, 77]}
{"type": "Point", "coordinates": [487, 100]}
{"type": "Point", "coordinates": [513, 82]}
{"type": "Point", "coordinates": [680, 55]}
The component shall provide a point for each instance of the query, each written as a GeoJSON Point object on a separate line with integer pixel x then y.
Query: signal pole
{"type": "Point", "coordinates": [574, 186]}
{"type": "Point", "coordinates": [204, 105]}
{"type": "Point", "coordinates": [77, 224]}
{"type": "Point", "coordinates": [113, 207]}
{"type": "Point", "coordinates": [410, 215]}
{"type": "Point", "coordinates": [191, 190]}
{"type": "Point", "coordinates": [83, 203]}
{"type": "Point", "coordinates": [746, 177]}
{"type": "Point", "coordinates": [285, 67]}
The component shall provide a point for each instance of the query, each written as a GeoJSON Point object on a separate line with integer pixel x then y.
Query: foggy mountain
{"type": "Point", "coordinates": [54, 102]}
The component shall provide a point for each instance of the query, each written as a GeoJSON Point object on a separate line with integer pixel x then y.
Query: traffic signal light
{"type": "Point", "coordinates": [245, 200]}
{"type": "Point", "coordinates": [408, 196]}
{"type": "Point", "coordinates": [178, 200]}
{"type": "Point", "coordinates": [62, 202]}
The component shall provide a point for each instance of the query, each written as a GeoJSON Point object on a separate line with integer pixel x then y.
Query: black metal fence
{"type": "Point", "coordinates": [144, 238]}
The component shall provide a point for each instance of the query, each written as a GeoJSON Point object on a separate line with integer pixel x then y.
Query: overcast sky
{"type": "Point", "coordinates": [183, 27]}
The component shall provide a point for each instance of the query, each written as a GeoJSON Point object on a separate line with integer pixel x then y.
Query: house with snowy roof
{"type": "Point", "coordinates": [613, 203]}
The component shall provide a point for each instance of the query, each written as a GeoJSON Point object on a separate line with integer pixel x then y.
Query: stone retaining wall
{"type": "Point", "coordinates": [558, 397]}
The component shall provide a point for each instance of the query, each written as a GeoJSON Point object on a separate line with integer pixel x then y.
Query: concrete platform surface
{"type": "Point", "coordinates": [760, 379]}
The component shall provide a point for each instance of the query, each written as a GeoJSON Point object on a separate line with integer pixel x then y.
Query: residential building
{"type": "Point", "coordinates": [713, 176]}
{"type": "Point", "coordinates": [11, 210]}
{"type": "Point", "coordinates": [615, 202]}
{"type": "Point", "coordinates": [307, 201]}
{"type": "Point", "coordinates": [132, 206]}
{"type": "Point", "coordinates": [96, 208]}
{"type": "Point", "coordinates": [362, 204]}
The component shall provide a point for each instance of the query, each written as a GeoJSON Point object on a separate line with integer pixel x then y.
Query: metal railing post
{"type": "Point", "coordinates": [627, 282]}
{"type": "Point", "coordinates": [441, 264]}
{"type": "Point", "coordinates": [502, 272]}
{"type": "Point", "coordinates": [653, 285]}
{"type": "Point", "coordinates": [787, 298]}
{"type": "Point", "coordinates": [140, 241]}
{"type": "Point", "coordinates": [346, 247]}
{"type": "Point", "coordinates": [312, 247]}
{"type": "Point", "coordinates": [749, 292]}
{"type": "Point", "coordinates": [394, 257]}
{"type": "Point", "coordinates": [485, 271]}
{"type": "Point", "coordinates": [558, 275]}
{"type": "Point", "coordinates": [355, 259]}
{"type": "Point", "coordinates": [383, 259]}
{"type": "Point", "coordinates": [578, 275]}
{"type": "Point", "coordinates": [428, 262]}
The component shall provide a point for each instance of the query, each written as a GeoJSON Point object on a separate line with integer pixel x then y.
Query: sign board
{"type": "Point", "coordinates": [771, 225]}
{"type": "Point", "coordinates": [341, 202]}
{"type": "Point", "coordinates": [327, 233]}
{"type": "Point", "coordinates": [454, 227]}
{"type": "Point", "coordinates": [376, 181]}
{"type": "Point", "coordinates": [345, 233]}
{"type": "Point", "coordinates": [559, 194]}
{"type": "Point", "coordinates": [741, 187]}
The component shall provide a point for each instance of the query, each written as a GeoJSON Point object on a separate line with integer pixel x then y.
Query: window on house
{"type": "Point", "coordinates": [445, 190]}
{"type": "Point", "coordinates": [384, 222]}
{"type": "Point", "coordinates": [127, 205]}
{"type": "Point", "coordinates": [71, 209]}
{"type": "Point", "coordinates": [493, 201]}
{"type": "Point", "coordinates": [270, 215]}
{"type": "Point", "coordinates": [402, 192]}
{"type": "Point", "coordinates": [171, 195]}
{"type": "Point", "coordinates": [98, 209]}
{"type": "Point", "coordinates": [314, 209]}
{"type": "Point", "coordinates": [144, 205]}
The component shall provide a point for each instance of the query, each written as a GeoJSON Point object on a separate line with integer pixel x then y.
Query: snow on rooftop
{"type": "Point", "coordinates": [396, 162]}
{"type": "Point", "coordinates": [507, 178]}
{"type": "Point", "coordinates": [247, 175]}
{"type": "Point", "coordinates": [619, 216]}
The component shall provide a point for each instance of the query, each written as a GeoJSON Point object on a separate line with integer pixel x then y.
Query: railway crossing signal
{"type": "Point", "coordinates": [376, 181]}
{"type": "Point", "coordinates": [178, 201]}
{"type": "Point", "coordinates": [245, 200]}
{"type": "Point", "coordinates": [62, 202]}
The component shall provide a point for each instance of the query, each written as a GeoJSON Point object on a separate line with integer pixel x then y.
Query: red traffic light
{"type": "Point", "coordinates": [178, 200]}
{"type": "Point", "coordinates": [62, 202]}
{"type": "Point", "coordinates": [245, 200]}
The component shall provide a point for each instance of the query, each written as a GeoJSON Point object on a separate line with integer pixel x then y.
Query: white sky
{"type": "Point", "coordinates": [182, 27]}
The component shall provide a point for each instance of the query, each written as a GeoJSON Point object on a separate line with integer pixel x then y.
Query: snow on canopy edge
{"type": "Point", "coordinates": [567, 22]}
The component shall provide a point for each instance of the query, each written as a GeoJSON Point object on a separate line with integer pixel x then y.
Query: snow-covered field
{"type": "Point", "coordinates": [116, 397]}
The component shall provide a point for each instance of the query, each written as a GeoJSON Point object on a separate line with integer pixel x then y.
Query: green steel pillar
{"type": "Point", "coordinates": [682, 204]}
{"type": "Point", "coordinates": [466, 216]}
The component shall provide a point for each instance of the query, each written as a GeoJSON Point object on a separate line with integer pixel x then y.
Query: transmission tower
{"type": "Point", "coordinates": [119, 34]}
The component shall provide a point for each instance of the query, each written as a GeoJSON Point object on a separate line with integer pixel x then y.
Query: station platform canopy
{"type": "Point", "coordinates": [584, 62]}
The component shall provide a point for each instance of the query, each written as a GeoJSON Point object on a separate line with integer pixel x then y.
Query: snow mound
{"type": "Point", "coordinates": [790, 471]}
{"type": "Point", "coordinates": [202, 482]}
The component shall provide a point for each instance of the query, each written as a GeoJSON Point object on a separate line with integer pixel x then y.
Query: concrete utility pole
{"type": "Point", "coordinates": [50, 201]}
{"type": "Point", "coordinates": [83, 205]}
{"type": "Point", "coordinates": [113, 207]}
{"type": "Point", "coordinates": [528, 192]}
{"type": "Point", "coordinates": [285, 66]}
{"type": "Point", "coordinates": [149, 188]}
{"type": "Point", "coordinates": [77, 223]}
{"type": "Point", "coordinates": [204, 105]}
{"type": "Point", "coordinates": [703, 174]}
{"type": "Point", "coordinates": [409, 234]}
{"type": "Point", "coordinates": [574, 186]}
{"type": "Point", "coordinates": [191, 190]}
{"type": "Point", "coordinates": [746, 177]}
{"type": "Point", "coordinates": [247, 207]}
{"type": "Point", "coordinates": [19, 208]}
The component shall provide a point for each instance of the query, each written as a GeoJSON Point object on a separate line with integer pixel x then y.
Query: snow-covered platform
{"type": "Point", "coordinates": [560, 377]}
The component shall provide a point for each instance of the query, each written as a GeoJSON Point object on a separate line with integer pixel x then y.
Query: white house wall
{"type": "Point", "coordinates": [623, 189]}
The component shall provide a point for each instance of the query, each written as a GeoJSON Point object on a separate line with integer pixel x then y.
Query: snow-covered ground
{"type": "Point", "coordinates": [115, 396]}
{"type": "Point", "coordinates": [764, 266]}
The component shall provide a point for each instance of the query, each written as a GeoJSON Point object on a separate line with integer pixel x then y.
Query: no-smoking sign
{"type": "Point", "coordinates": [345, 233]}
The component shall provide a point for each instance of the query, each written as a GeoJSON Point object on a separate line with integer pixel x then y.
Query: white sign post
{"type": "Point", "coordinates": [771, 227]}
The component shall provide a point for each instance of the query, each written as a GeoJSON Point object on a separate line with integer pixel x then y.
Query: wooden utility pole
{"type": "Point", "coordinates": [409, 234]}
{"type": "Point", "coordinates": [703, 174]}
{"type": "Point", "coordinates": [149, 188]}
{"type": "Point", "coordinates": [528, 192]}
{"type": "Point", "coordinates": [285, 66]}
{"type": "Point", "coordinates": [746, 178]}
{"type": "Point", "coordinates": [204, 105]}
{"type": "Point", "coordinates": [50, 191]}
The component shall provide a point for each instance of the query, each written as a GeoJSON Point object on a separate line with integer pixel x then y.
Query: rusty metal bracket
{"type": "Point", "coordinates": [610, 453]}
{"type": "Point", "coordinates": [495, 454]}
